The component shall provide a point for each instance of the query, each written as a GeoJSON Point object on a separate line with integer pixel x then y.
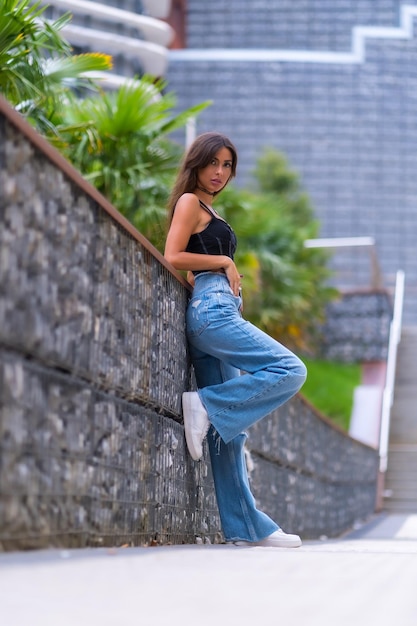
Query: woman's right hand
{"type": "Point", "coordinates": [233, 276]}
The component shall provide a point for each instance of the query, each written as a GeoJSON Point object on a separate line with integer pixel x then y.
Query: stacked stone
{"type": "Point", "coordinates": [357, 328]}
{"type": "Point", "coordinates": [81, 467]}
{"type": "Point", "coordinates": [93, 364]}
{"type": "Point", "coordinates": [312, 477]}
{"type": "Point", "coordinates": [79, 292]}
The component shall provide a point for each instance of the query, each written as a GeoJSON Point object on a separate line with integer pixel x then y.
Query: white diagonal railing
{"type": "Point", "coordinates": [388, 394]}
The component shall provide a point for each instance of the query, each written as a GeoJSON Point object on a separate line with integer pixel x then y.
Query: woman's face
{"type": "Point", "coordinates": [216, 174]}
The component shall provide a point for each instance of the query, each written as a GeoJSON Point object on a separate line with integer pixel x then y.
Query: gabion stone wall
{"type": "Point", "coordinates": [311, 477]}
{"type": "Point", "coordinates": [93, 365]}
{"type": "Point", "coordinates": [81, 467]}
{"type": "Point", "coordinates": [93, 362]}
{"type": "Point", "coordinates": [357, 327]}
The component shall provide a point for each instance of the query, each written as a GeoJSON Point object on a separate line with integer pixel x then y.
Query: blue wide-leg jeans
{"type": "Point", "coordinates": [242, 375]}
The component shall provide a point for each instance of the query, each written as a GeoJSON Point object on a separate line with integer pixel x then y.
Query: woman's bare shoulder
{"type": "Point", "coordinates": [187, 206]}
{"type": "Point", "coordinates": [188, 199]}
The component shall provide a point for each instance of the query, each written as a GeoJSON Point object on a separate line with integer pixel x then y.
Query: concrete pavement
{"type": "Point", "coordinates": [366, 578]}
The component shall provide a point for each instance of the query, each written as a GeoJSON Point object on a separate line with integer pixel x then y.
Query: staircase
{"type": "Point", "coordinates": [401, 476]}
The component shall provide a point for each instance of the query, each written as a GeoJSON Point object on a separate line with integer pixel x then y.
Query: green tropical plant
{"type": "Point", "coordinates": [37, 68]}
{"type": "Point", "coordinates": [120, 141]}
{"type": "Point", "coordinates": [126, 152]}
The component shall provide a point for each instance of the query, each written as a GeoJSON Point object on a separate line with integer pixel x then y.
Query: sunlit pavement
{"type": "Point", "coordinates": [367, 577]}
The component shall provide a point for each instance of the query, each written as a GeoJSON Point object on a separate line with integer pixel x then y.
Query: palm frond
{"type": "Point", "coordinates": [182, 118]}
{"type": "Point", "coordinates": [69, 69]}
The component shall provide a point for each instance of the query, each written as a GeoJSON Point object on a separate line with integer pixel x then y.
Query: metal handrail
{"type": "Point", "coordinates": [388, 393]}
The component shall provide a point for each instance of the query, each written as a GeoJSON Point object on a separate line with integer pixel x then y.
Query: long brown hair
{"type": "Point", "coordinates": [201, 152]}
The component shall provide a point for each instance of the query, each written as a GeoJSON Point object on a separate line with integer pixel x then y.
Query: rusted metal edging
{"type": "Point", "coordinates": [53, 155]}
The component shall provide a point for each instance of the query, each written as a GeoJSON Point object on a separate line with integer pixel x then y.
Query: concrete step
{"type": "Point", "coordinates": [402, 480]}
{"type": "Point", "coordinates": [410, 388]}
{"type": "Point", "coordinates": [403, 455]}
{"type": "Point", "coordinates": [403, 428]}
{"type": "Point", "coordinates": [407, 488]}
{"type": "Point", "coordinates": [401, 490]}
{"type": "Point", "coordinates": [399, 506]}
{"type": "Point", "coordinates": [406, 367]}
{"type": "Point", "coordinates": [401, 477]}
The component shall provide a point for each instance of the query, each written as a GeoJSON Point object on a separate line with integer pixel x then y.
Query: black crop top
{"type": "Point", "coordinates": [217, 238]}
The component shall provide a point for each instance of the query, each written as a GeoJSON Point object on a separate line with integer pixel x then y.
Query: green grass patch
{"type": "Point", "coordinates": [329, 387]}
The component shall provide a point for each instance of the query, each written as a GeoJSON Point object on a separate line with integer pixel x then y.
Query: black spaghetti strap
{"type": "Point", "coordinates": [206, 208]}
{"type": "Point", "coordinates": [212, 212]}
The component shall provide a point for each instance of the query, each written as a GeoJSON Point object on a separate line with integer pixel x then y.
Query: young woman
{"type": "Point", "coordinates": [223, 345]}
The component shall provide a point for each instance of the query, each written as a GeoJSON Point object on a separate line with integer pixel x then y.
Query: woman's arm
{"type": "Point", "coordinates": [187, 220]}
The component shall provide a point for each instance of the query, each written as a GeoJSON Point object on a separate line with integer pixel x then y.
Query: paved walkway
{"type": "Point", "coordinates": [366, 578]}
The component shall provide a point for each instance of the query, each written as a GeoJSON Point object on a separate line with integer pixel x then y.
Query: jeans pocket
{"type": "Point", "coordinates": [197, 318]}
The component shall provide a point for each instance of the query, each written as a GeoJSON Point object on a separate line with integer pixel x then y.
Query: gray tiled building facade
{"type": "Point", "coordinates": [338, 100]}
{"type": "Point", "coordinates": [291, 24]}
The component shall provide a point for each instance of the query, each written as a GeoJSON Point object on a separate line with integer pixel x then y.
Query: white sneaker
{"type": "Point", "coordinates": [196, 423]}
{"type": "Point", "coordinates": [278, 539]}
